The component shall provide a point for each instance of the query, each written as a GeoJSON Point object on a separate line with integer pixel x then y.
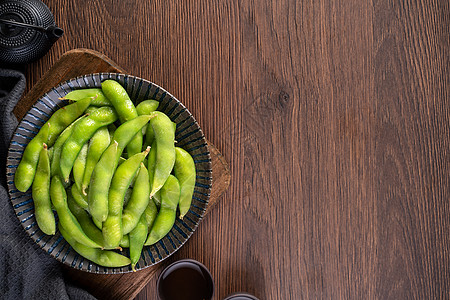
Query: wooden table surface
{"type": "Point", "coordinates": [335, 119]}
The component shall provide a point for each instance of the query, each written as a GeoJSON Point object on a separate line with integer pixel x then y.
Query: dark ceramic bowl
{"type": "Point", "coordinates": [188, 135]}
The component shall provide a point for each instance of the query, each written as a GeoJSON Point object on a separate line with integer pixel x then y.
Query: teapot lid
{"type": "Point", "coordinates": [19, 44]}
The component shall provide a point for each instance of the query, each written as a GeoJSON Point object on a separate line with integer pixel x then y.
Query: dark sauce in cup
{"type": "Point", "coordinates": [185, 279]}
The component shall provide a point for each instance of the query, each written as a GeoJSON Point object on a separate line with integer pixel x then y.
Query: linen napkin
{"type": "Point", "coordinates": [26, 271]}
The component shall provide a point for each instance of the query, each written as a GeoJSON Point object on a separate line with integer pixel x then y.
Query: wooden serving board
{"type": "Point", "coordinates": [84, 61]}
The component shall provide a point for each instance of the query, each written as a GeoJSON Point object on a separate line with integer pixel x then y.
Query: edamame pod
{"type": "Point", "coordinates": [157, 198]}
{"type": "Point", "coordinates": [41, 195]}
{"type": "Point", "coordinates": [98, 98]}
{"type": "Point", "coordinates": [82, 132]}
{"type": "Point", "coordinates": [151, 170]}
{"type": "Point", "coordinates": [54, 166]}
{"type": "Point", "coordinates": [27, 167]}
{"type": "Point", "coordinates": [125, 109]}
{"type": "Point", "coordinates": [79, 198]}
{"type": "Point", "coordinates": [165, 151]}
{"type": "Point", "coordinates": [137, 239]}
{"type": "Point", "coordinates": [125, 241]}
{"type": "Point", "coordinates": [64, 116]}
{"type": "Point", "coordinates": [98, 224]}
{"type": "Point", "coordinates": [150, 134]}
{"type": "Point", "coordinates": [58, 122]}
{"type": "Point", "coordinates": [66, 218]}
{"type": "Point", "coordinates": [150, 213]}
{"type": "Point", "coordinates": [105, 258]}
{"type": "Point", "coordinates": [170, 196]}
{"type": "Point", "coordinates": [104, 169]}
{"type": "Point", "coordinates": [97, 145]}
{"type": "Point", "coordinates": [79, 165]}
{"type": "Point", "coordinates": [112, 227]}
{"type": "Point", "coordinates": [145, 108]}
{"type": "Point", "coordinates": [138, 201]}
{"type": "Point", "coordinates": [100, 182]}
{"type": "Point", "coordinates": [184, 171]}
{"type": "Point", "coordinates": [85, 221]}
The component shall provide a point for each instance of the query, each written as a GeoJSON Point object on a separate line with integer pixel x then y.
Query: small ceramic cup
{"type": "Point", "coordinates": [185, 279]}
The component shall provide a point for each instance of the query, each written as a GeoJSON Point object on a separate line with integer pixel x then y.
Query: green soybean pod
{"type": "Point", "coordinates": [140, 197]}
{"type": "Point", "coordinates": [64, 116]}
{"type": "Point", "coordinates": [26, 170]}
{"type": "Point", "coordinates": [66, 218]}
{"type": "Point", "coordinates": [150, 213]}
{"type": "Point", "coordinates": [165, 152]}
{"type": "Point", "coordinates": [82, 132]}
{"type": "Point", "coordinates": [85, 221]}
{"type": "Point", "coordinates": [151, 170]}
{"type": "Point", "coordinates": [79, 198]}
{"type": "Point", "coordinates": [125, 109]}
{"type": "Point", "coordinates": [97, 223]}
{"type": "Point", "coordinates": [150, 134]}
{"type": "Point", "coordinates": [105, 258]}
{"type": "Point", "coordinates": [97, 145]}
{"type": "Point", "coordinates": [56, 124]}
{"type": "Point", "coordinates": [170, 196]}
{"type": "Point", "coordinates": [184, 171]}
{"type": "Point", "coordinates": [98, 98]}
{"type": "Point", "coordinates": [137, 239]}
{"type": "Point", "coordinates": [79, 165]}
{"type": "Point", "coordinates": [101, 181]}
{"type": "Point", "coordinates": [41, 195]}
{"type": "Point", "coordinates": [145, 108]}
{"type": "Point", "coordinates": [104, 169]}
{"type": "Point", "coordinates": [112, 227]}
{"type": "Point", "coordinates": [54, 166]}
{"type": "Point", "coordinates": [157, 198]}
{"type": "Point", "coordinates": [50, 154]}
{"type": "Point", "coordinates": [125, 241]}
{"type": "Point", "coordinates": [151, 162]}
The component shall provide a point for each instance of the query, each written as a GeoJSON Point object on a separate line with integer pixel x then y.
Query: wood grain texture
{"type": "Point", "coordinates": [335, 118]}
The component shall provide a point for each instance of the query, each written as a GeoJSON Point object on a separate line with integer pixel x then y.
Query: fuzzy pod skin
{"type": "Point", "coordinates": [104, 169]}
{"type": "Point", "coordinates": [165, 149]}
{"type": "Point", "coordinates": [85, 221]}
{"type": "Point", "coordinates": [82, 132]}
{"type": "Point", "coordinates": [125, 241]}
{"type": "Point", "coordinates": [184, 171]}
{"type": "Point", "coordinates": [170, 196]}
{"type": "Point", "coordinates": [137, 239]}
{"type": "Point", "coordinates": [97, 145]}
{"type": "Point", "coordinates": [59, 143]}
{"type": "Point", "coordinates": [41, 195]}
{"type": "Point", "coordinates": [49, 132]}
{"type": "Point", "coordinates": [79, 166]}
{"type": "Point", "coordinates": [150, 213]}
{"type": "Point", "coordinates": [78, 197]}
{"type": "Point", "coordinates": [66, 218]}
{"type": "Point", "coordinates": [125, 109]}
{"type": "Point", "coordinates": [105, 258]}
{"type": "Point", "coordinates": [112, 227]}
{"type": "Point", "coordinates": [98, 98]}
{"type": "Point", "coordinates": [146, 107]}
{"type": "Point", "coordinates": [138, 202]}
{"type": "Point", "coordinates": [26, 170]}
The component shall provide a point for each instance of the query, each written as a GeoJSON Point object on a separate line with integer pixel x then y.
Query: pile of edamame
{"type": "Point", "coordinates": [112, 173]}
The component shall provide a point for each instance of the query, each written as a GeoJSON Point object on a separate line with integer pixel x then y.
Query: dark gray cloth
{"type": "Point", "coordinates": [26, 271]}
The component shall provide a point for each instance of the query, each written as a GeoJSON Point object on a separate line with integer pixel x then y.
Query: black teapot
{"type": "Point", "coordinates": [27, 31]}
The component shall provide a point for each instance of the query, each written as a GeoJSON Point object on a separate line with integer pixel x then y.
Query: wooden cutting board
{"type": "Point", "coordinates": [84, 61]}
